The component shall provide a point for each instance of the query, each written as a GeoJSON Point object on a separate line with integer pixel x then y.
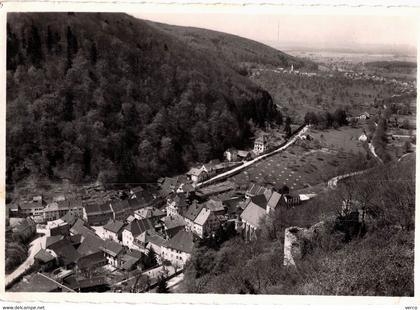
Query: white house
{"type": "Point", "coordinates": [134, 229]}
{"type": "Point", "coordinates": [178, 249]}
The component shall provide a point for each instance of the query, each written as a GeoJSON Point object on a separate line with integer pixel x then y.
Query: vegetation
{"type": "Point", "coordinates": [356, 265]}
{"type": "Point", "coordinates": [108, 97]}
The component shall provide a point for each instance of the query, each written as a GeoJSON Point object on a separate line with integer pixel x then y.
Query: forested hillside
{"type": "Point", "coordinates": [109, 97]}
{"type": "Point", "coordinates": [236, 51]}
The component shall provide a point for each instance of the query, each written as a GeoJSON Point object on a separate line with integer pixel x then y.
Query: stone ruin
{"type": "Point", "coordinates": [296, 240]}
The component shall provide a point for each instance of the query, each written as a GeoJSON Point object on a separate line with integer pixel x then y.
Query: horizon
{"type": "Point", "coordinates": [395, 34]}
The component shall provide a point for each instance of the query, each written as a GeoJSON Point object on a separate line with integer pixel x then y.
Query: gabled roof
{"type": "Point", "coordinates": [195, 171]}
{"type": "Point", "coordinates": [91, 244]}
{"type": "Point", "coordinates": [127, 262]}
{"type": "Point", "coordinates": [274, 200]}
{"type": "Point", "coordinates": [97, 208]}
{"type": "Point", "coordinates": [150, 212]}
{"type": "Point", "coordinates": [260, 200]}
{"type": "Point", "coordinates": [53, 239]}
{"type": "Point", "coordinates": [44, 256]}
{"type": "Point", "coordinates": [28, 205]}
{"type": "Point", "coordinates": [183, 241]}
{"type": "Point", "coordinates": [65, 250]}
{"type": "Point", "coordinates": [81, 228]}
{"type": "Point", "coordinates": [243, 153]}
{"type": "Point", "coordinates": [150, 236]}
{"type": "Point", "coordinates": [136, 227]}
{"type": "Point", "coordinates": [215, 205]}
{"type": "Point", "coordinates": [202, 217]}
{"type": "Point", "coordinates": [114, 226]}
{"type": "Point", "coordinates": [119, 206]}
{"type": "Point", "coordinates": [193, 211]}
{"type": "Point", "coordinates": [253, 214]}
{"type": "Point", "coordinates": [111, 247]}
{"type": "Point", "coordinates": [173, 221]}
{"type": "Point", "coordinates": [255, 189]}
{"type": "Point", "coordinates": [70, 218]}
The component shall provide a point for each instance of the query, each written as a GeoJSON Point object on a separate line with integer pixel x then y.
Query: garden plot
{"type": "Point", "coordinates": [296, 167]}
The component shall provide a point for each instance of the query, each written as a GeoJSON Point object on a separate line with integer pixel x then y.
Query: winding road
{"type": "Point", "coordinates": [251, 162]}
{"type": "Point", "coordinates": [34, 247]}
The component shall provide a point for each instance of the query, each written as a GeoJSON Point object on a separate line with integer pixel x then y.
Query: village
{"type": "Point", "coordinates": [133, 240]}
{"type": "Point", "coordinates": [139, 239]}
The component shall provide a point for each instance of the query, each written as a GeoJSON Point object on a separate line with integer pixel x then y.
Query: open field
{"type": "Point", "coordinates": [344, 139]}
{"type": "Point", "coordinates": [308, 162]}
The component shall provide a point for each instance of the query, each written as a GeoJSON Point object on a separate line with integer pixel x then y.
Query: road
{"type": "Point", "coordinates": [251, 162]}
{"type": "Point", "coordinates": [34, 247]}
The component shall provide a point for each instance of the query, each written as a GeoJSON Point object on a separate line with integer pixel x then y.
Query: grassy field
{"type": "Point", "coordinates": [345, 139]}
{"type": "Point", "coordinates": [308, 162]}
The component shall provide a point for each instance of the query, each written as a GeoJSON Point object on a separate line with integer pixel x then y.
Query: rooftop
{"type": "Point", "coordinates": [114, 226]}
{"type": "Point", "coordinates": [183, 241]}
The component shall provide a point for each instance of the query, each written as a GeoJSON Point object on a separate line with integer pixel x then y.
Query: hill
{"type": "Point", "coordinates": [235, 50]}
{"type": "Point", "coordinates": [110, 97]}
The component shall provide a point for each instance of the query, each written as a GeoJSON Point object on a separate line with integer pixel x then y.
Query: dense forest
{"type": "Point", "coordinates": [110, 97]}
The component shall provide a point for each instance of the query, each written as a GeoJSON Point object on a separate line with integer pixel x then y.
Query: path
{"type": "Point", "coordinates": [251, 162]}
{"type": "Point", "coordinates": [34, 247]}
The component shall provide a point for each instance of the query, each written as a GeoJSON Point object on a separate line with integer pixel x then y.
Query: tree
{"type": "Point", "coordinates": [162, 286]}
{"type": "Point", "coordinates": [287, 127]}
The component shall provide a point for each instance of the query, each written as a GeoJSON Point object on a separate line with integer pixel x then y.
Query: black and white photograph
{"type": "Point", "coordinates": [210, 153]}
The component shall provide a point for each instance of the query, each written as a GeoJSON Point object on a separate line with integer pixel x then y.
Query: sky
{"type": "Point", "coordinates": [302, 30]}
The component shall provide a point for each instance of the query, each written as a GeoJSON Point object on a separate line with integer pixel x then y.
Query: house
{"type": "Point", "coordinates": [58, 209]}
{"type": "Point", "coordinates": [134, 229]}
{"type": "Point", "coordinates": [210, 168]}
{"type": "Point", "coordinates": [65, 252]}
{"type": "Point", "coordinates": [231, 154]}
{"type": "Point", "coordinates": [57, 227]}
{"type": "Point", "coordinates": [151, 213]}
{"type": "Point", "coordinates": [81, 228]}
{"type": "Point", "coordinates": [205, 223]}
{"type": "Point", "coordinates": [288, 200]}
{"type": "Point", "coordinates": [97, 214]}
{"type": "Point", "coordinates": [89, 263]}
{"type": "Point", "coordinates": [260, 145]}
{"type": "Point", "coordinates": [46, 260]}
{"type": "Point", "coordinates": [120, 210]}
{"type": "Point", "coordinates": [150, 239]}
{"type": "Point", "coordinates": [273, 202]}
{"type": "Point", "coordinates": [130, 259]}
{"type": "Point", "coordinates": [113, 231]}
{"type": "Point", "coordinates": [215, 206]}
{"type": "Point", "coordinates": [177, 205]}
{"type": "Point", "coordinates": [186, 188]}
{"type": "Point", "coordinates": [33, 207]}
{"type": "Point", "coordinates": [197, 175]}
{"type": "Point", "coordinates": [254, 211]}
{"type": "Point", "coordinates": [170, 185]}
{"type": "Point", "coordinates": [191, 214]}
{"type": "Point", "coordinates": [25, 229]}
{"type": "Point", "coordinates": [112, 251]}
{"type": "Point", "coordinates": [243, 155]}
{"type": "Point", "coordinates": [178, 249]}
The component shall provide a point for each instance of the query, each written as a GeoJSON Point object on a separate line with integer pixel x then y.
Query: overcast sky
{"type": "Point", "coordinates": [309, 30]}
